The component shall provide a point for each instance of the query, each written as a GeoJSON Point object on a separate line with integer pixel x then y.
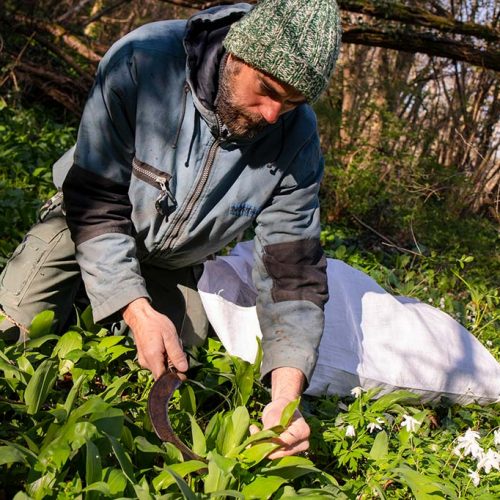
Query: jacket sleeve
{"type": "Point", "coordinates": [290, 268]}
{"type": "Point", "coordinates": [98, 209]}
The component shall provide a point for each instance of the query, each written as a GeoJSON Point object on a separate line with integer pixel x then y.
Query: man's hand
{"type": "Point", "coordinates": [286, 386]}
{"type": "Point", "coordinates": [155, 336]}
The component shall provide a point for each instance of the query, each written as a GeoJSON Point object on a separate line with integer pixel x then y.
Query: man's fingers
{"type": "Point", "coordinates": [253, 429]}
{"type": "Point", "coordinates": [175, 352]}
{"type": "Point", "coordinates": [289, 450]}
{"type": "Point", "coordinates": [157, 369]}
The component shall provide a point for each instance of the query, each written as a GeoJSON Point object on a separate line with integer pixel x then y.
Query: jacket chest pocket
{"type": "Point", "coordinates": [165, 203]}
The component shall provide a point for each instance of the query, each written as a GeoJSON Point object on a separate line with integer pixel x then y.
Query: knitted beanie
{"type": "Point", "coordinates": [295, 41]}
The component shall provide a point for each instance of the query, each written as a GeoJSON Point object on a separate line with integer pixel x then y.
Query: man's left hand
{"type": "Point", "coordinates": [295, 438]}
{"type": "Point", "coordinates": [287, 386]}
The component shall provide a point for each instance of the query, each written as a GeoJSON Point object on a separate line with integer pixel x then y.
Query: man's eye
{"type": "Point", "coordinates": [266, 90]}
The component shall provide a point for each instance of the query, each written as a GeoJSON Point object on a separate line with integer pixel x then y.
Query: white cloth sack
{"type": "Point", "coordinates": [371, 338]}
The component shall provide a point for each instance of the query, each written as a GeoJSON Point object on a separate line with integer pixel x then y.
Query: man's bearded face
{"type": "Point", "coordinates": [240, 121]}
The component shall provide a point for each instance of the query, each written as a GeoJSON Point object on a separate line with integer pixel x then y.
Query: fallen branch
{"type": "Point", "coordinates": [417, 16]}
{"type": "Point", "coordinates": [424, 43]}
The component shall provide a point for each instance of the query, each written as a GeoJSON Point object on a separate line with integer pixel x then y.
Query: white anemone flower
{"type": "Point", "coordinates": [410, 423]}
{"type": "Point", "coordinates": [474, 475]}
{"type": "Point", "coordinates": [350, 431]}
{"type": "Point", "coordinates": [496, 437]}
{"type": "Point", "coordinates": [489, 460]}
{"type": "Point", "coordinates": [468, 443]}
{"type": "Point", "coordinates": [356, 392]}
{"type": "Point", "coordinates": [377, 425]}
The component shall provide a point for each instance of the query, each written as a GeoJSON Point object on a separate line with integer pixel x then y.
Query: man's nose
{"type": "Point", "coordinates": [271, 110]}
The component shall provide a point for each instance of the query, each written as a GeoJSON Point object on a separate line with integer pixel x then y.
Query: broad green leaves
{"type": "Point", "coordinates": [40, 385]}
{"type": "Point", "coordinates": [75, 423]}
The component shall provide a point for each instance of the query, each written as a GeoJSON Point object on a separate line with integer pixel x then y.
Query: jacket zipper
{"type": "Point", "coordinates": [181, 223]}
{"type": "Point", "coordinates": [156, 180]}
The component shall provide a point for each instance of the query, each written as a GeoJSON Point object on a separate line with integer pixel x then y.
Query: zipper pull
{"type": "Point", "coordinates": [165, 204]}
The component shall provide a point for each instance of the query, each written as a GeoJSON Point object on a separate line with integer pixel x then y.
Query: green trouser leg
{"type": "Point", "coordinates": [43, 274]}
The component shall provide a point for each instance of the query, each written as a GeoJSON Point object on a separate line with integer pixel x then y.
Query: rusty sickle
{"type": "Point", "coordinates": [158, 400]}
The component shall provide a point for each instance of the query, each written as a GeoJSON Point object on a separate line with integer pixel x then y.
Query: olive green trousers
{"type": "Point", "coordinates": [43, 274]}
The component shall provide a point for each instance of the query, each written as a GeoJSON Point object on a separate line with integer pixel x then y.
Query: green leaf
{"type": "Point", "coordinates": [219, 472]}
{"type": "Point", "coordinates": [70, 399]}
{"type": "Point", "coordinates": [142, 444]}
{"type": "Point", "coordinates": [123, 459]}
{"type": "Point", "coordinates": [235, 430]}
{"type": "Point", "coordinates": [70, 341]}
{"type": "Point", "coordinates": [98, 487]}
{"type": "Point", "coordinates": [41, 324]}
{"type": "Point", "coordinates": [166, 479]}
{"type": "Point", "coordinates": [110, 341]}
{"type": "Point", "coordinates": [115, 389]}
{"type": "Point", "coordinates": [388, 400]}
{"type": "Point", "coordinates": [265, 435]}
{"type": "Point", "coordinates": [12, 371]}
{"type": "Point", "coordinates": [258, 452]}
{"type": "Point", "coordinates": [87, 319]}
{"type": "Point", "coordinates": [262, 487]}
{"type": "Point", "coordinates": [25, 365]}
{"type": "Point", "coordinates": [421, 486]}
{"type": "Point", "coordinates": [199, 443]}
{"type": "Point", "coordinates": [10, 455]}
{"type": "Point", "coordinates": [117, 351]}
{"type": "Point", "coordinates": [183, 487]}
{"type": "Point", "coordinates": [287, 415]}
{"type": "Point", "coordinates": [244, 379]}
{"type": "Point", "coordinates": [188, 399]}
{"type": "Point", "coordinates": [109, 421]}
{"type": "Point", "coordinates": [40, 385]}
{"type": "Point", "coordinates": [38, 342]}
{"type": "Point", "coordinates": [93, 467]}
{"type": "Point", "coordinates": [116, 481]}
{"type": "Point", "coordinates": [92, 405]}
{"type": "Point", "coordinates": [380, 447]}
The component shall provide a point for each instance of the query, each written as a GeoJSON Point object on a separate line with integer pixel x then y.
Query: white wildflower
{"type": "Point", "coordinates": [496, 437]}
{"type": "Point", "coordinates": [489, 460]}
{"type": "Point", "coordinates": [350, 431]}
{"type": "Point", "coordinates": [441, 303]}
{"type": "Point", "coordinates": [489, 343]}
{"type": "Point", "coordinates": [410, 423]}
{"type": "Point", "coordinates": [430, 300]}
{"type": "Point", "coordinates": [473, 474]}
{"type": "Point", "coordinates": [356, 392]}
{"type": "Point", "coordinates": [468, 443]}
{"type": "Point", "coordinates": [372, 426]}
{"type": "Point", "coordinates": [342, 406]}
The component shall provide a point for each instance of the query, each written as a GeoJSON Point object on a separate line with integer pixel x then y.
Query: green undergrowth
{"type": "Point", "coordinates": [75, 425]}
{"type": "Point", "coordinates": [30, 141]}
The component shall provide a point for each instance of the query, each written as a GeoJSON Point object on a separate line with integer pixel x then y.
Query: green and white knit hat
{"type": "Point", "coordinates": [295, 41]}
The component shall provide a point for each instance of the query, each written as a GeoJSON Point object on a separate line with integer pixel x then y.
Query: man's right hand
{"type": "Point", "coordinates": [155, 336]}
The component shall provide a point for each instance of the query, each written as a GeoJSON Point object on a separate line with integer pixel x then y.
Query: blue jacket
{"type": "Point", "coordinates": [156, 178]}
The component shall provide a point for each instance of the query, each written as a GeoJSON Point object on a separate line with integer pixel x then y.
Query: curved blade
{"type": "Point", "coordinates": [158, 400]}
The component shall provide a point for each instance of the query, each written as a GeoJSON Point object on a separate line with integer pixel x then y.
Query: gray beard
{"type": "Point", "coordinates": [239, 122]}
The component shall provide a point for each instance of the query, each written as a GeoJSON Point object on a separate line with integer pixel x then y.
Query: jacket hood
{"type": "Point", "coordinates": [205, 32]}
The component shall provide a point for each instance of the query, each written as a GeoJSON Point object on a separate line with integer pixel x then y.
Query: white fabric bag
{"type": "Point", "coordinates": [371, 338]}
